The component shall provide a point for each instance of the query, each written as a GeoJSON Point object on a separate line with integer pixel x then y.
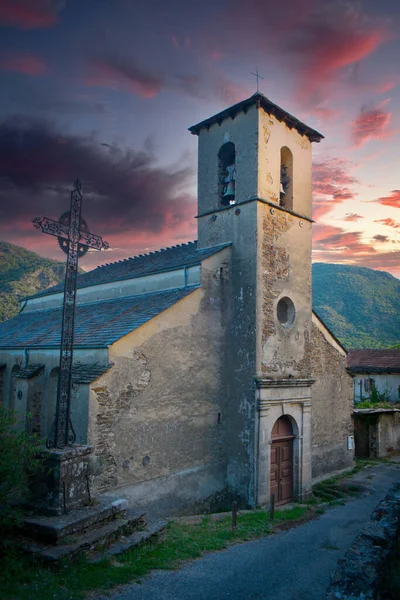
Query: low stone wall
{"type": "Point", "coordinates": [359, 573]}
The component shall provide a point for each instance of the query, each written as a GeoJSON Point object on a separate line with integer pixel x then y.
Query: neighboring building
{"type": "Point", "coordinates": [377, 432]}
{"type": "Point", "coordinates": [201, 373]}
{"type": "Point", "coordinates": [375, 368]}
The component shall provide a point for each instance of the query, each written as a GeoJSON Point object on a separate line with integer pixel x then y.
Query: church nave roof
{"type": "Point", "coordinates": [97, 324]}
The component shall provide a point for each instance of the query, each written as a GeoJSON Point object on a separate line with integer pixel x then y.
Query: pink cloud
{"type": "Point", "coordinates": [331, 179]}
{"type": "Point", "coordinates": [333, 37]}
{"type": "Point", "coordinates": [174, 41]}
{"type": "Point", "coordinates": [29, 64]}
{"type": "Point", "coordinates": [389, 222]}
{"type": "Point", "coordinates": [388, 86]}
{"type": "Point", "coordinates": [124, 75]}
{"type": "Point", "coordinates": [333, 244]}
{"type": "Point", "coordinates": [371, 124]}
{"type": "Point", "coordinates": [30, 14]}
{"type": "Point", "coordinates": [352, 217]}
{"type": "Point", "coordinates": [392, 200]}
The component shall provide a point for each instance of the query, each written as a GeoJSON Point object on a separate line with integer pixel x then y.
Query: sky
{"type": "Point", "coordinates": [105, 90]}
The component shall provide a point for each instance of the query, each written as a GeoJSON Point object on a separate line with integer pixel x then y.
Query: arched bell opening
{"type": "Point", "coordinates": [227, 174]}
{"type": "Point", "coordinates": [286, 181]}
{"type": "Point", "coordinates": [282, 461]}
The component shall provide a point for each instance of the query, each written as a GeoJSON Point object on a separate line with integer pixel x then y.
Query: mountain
{"type": "Point", "coordinates": [359, 305]}
{"type": "Point", "coordinates": [23, 273]}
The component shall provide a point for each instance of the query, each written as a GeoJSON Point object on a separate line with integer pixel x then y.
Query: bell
{"type": "Point", "coordinates": [230, 190]}
{"type": "Point", "coordinates": [282, 191]}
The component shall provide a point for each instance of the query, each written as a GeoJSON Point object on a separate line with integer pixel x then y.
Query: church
{"type": "Point", "coordinates": [201, 373]}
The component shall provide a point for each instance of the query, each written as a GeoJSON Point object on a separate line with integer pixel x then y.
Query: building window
{"type": "Point", "coordinates": [286, 312]}
{"type": "Point", "coordinates": [286, 181]}
{"type": "Point", "coordinates": [369, 385]}
{"type": "Point", "coordinates": [227, 174]}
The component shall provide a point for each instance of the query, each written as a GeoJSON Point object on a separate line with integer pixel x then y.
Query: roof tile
{"type": "Point", "coordinates": [166, 259]}
{"type": "Point", "coordinates": [97, 324]}
{"type": "Point", "coordinates": [374, 360]}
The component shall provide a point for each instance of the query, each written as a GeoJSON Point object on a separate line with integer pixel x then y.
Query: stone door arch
{"type": "Point", "coordinates": [282, 461]}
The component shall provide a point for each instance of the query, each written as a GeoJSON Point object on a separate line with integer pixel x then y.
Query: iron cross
{"type": "Point", "coordinates": [74, 239]}
{"type": "Point", "coordinates": [257, 76]}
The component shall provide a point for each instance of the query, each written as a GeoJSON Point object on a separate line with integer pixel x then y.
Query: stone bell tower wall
{"type": "Point", "coordinates": [273, 136]}
{"type": "Point", "coordinates": [243, 132]}
{"type": "Point", "coordinates": [284, 271]}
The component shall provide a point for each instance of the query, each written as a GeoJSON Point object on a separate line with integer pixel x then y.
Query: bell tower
{"type": "Point", "coordinates": [255, 191]}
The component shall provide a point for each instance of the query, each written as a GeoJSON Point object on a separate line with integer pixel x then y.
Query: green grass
{"type": "Point", "coordinates": [22, 578]}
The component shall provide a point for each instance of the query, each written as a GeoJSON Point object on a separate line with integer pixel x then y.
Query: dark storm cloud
{"type": "Point", "coordinates": [124, 190]}
{"type": "Point", "coordinates": [124, 73]}
{"type": "Point", "coordinates": [30, 14]}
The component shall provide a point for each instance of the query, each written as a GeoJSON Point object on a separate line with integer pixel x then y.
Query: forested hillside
{"type": "Point", "coordinates": [360, 306]}
{"type": "Point", "coordinates": [23, 273]}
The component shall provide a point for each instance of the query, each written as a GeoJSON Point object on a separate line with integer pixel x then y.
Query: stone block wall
{"type": "Point", "coordinates": [332, 406]}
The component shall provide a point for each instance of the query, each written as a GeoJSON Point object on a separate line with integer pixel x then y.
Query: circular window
{"type": "Point", "coordinates": [286, 312]}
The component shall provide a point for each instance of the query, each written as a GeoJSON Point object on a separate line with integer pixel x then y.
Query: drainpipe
{"type": "Point", "coordinates": [185, 276]}
{"type": "Point", "coordinates": [26, 352]}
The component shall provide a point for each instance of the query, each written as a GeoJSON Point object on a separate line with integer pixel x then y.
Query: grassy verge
{"type": "Point", "coordinates": [22, 578]}
{"type": "Point", "coordinates": [335, 489]}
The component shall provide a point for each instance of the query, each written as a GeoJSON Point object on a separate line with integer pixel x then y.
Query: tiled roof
{"type": "Point", "coordinates": [97, 324]}
{"type": "Point", "coordinates": [374, 361]}
{"type": "Point", "coordinates": [28, 372]}
{"type": "Point", "coordinates": [272, 109]}
{"type": "Point", "coordinates": [166, 259]}
{"type": "Point", "coordinates": [85, 373]}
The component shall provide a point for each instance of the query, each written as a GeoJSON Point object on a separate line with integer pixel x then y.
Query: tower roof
{"type": "Point", "coordinates": [259, 99]}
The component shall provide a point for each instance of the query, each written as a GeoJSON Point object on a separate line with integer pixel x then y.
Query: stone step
{"type": "Point", "coordinates": [91, 540]}
{"type": "Point", "coordinates": [55, 528]}
{"type": "Point", "coordinates": [128, 542]}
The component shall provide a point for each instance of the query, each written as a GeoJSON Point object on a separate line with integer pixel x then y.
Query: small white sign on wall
{"type": "Point", "coordinates": [350, 442]}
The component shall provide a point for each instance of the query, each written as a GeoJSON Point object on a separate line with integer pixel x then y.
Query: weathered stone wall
{"type": "Point", "coordinates": [359, 574]}
{"type": "Point", "coordinates": [161, 412]}
{"type": "Point", "coordinates": [377, 433]}
{"type": "Point", "coordinates": [243, 132]}
{"type": "Point", "coordinates": [273, 135]}
{"type": "Point", "coordinates": [284, 270]}
{"type": "Point", "coordinates": [332, 405]}
{"type": "Point", "coordinates": [389, 433]}
{"type": "Point", "coordinates": [238, 224]}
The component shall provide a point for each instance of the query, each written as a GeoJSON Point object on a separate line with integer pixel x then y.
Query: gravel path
{"type": "Point", "coordinates": [292, 565]}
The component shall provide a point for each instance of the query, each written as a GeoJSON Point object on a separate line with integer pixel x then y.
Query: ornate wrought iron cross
{"type": "Point", "coordinates": [74, 239]}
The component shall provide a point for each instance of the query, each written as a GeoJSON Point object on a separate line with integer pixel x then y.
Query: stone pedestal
{"type": "Point", "coordinates": [64, 484]}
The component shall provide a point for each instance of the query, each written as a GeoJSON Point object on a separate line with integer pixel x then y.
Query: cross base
{"type": "Point", "coordinates": [64, 483]}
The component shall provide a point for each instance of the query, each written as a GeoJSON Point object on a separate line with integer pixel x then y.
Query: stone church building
{"type": "Point", "coordinates": [201, 372]}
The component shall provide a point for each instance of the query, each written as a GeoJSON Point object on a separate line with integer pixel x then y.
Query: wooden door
{"type": "Point", "coordinates": [281, 469]}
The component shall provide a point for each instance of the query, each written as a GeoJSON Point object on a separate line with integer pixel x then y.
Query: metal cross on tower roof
{"type": "Point", "coordinates": [257, 76]}
{"type": "Point", "coordinates": [74, 239]}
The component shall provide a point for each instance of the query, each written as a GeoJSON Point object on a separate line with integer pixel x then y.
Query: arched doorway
{"type": "Point", "coordinates": [281, 472]}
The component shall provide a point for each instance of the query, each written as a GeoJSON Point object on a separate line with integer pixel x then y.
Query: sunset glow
{"type": "Point", "coordinates": [105, 90]}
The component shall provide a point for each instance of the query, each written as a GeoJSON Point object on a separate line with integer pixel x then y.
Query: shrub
{"type": "Point", "coordinates": [19, 462]}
